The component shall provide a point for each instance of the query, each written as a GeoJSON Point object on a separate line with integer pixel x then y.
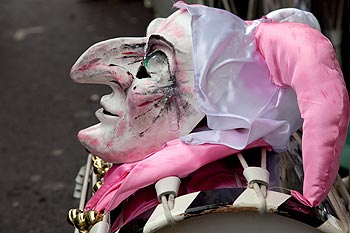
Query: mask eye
{"type": "Point", "coordinates": [154, 63]}
{"type": "Point", "coordinates": [155, 59]}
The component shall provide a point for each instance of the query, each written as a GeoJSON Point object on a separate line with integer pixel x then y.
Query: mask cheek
{"type": "Point", "coordinates": [120, 129]}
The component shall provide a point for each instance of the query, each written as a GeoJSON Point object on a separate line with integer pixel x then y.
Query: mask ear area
{"type": "Point", "coordinates": [154, 25]}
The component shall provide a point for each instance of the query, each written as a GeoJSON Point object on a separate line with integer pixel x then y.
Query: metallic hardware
{"type": "Point", "coordinates": [97, 186]}
{"type": "Point", "coordinates": [100, 167]}
{"type": "Point", "coordinates": [84, 220]}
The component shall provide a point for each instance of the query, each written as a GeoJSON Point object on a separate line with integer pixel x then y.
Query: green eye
{"type": "Point", "coordinates": [146, 62]}
{"type": "Point", "coordinates": [155, 59]}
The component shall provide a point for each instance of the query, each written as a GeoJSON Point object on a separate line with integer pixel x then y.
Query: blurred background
{"type": "Point", "coordinates": [42, 109]}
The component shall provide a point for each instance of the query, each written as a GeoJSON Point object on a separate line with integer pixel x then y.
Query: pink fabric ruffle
{"type": "Point", "coordinates": [217, 175]}
{"type": "Point", "coordinates": [175, 159]}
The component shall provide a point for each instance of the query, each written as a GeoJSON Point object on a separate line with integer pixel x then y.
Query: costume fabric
{"type": "Point", "coordinates": [251, 82]}
{"type": "Point", "coordinates": [174, 159]}
{"type": "Point", "coordinates": [255, 83]}
{"type": "Point", "coordinates": [294, 15]}
{"type": "Point", "coordinates": [233, 86]}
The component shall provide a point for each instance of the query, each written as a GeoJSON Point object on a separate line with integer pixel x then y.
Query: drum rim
{"type": "Point", "coordinates": [188, 206]}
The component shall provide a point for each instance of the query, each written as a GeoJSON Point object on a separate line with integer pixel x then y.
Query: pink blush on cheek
{"type": "Point", "coordinates": [109, 143]}
{"type": "Point", "coordinates": [120, 129]}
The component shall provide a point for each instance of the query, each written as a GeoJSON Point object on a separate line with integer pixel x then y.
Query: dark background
{"type": "Point", "coordinates": [42, 109]}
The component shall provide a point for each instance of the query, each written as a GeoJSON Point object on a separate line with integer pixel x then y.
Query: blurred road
{"type": "Point", "coordinates": [42, 109]}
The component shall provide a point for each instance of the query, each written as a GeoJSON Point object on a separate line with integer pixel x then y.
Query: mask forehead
{"type": "Point", "coordinates": [177, 24]}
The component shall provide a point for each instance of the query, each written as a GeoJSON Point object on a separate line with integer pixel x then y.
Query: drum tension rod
{"type": "Point", "coordinates": [167, 190]}
{"type": "Point", "coordinates": [257, 178]}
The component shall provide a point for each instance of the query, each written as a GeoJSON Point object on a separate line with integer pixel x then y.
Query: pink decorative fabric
{"type": "Point", "coordinates": [175, 159]}
{"type": "Point", "coordinates": [300, 57]}
{"type": "Point", "coordinates": [218, 174]}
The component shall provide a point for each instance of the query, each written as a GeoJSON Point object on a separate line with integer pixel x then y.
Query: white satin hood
{"type": "Point", "coordinates": [294, 15]}
{"type": "Point", "coordinates": [233, 86]}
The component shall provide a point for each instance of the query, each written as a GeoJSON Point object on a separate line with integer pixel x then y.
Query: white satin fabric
{"type": "Point", "coordinates": [294, 15]}
{"type": "Point", "coordinates": [233, 85]}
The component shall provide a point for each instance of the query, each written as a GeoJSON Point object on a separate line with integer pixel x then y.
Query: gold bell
{"type": "Point", "coordinates": [80, 222]}
{"type": "Point", "coordinates": [97, 186]}
{"type": "Point", "coordinates": [92, 217]}
{"type": "Point", "coordinates": [100, 167]}
{"type": "Point", "coordinates": [72, 215]}
{"type": "Point", "coordinates": [83, 221]}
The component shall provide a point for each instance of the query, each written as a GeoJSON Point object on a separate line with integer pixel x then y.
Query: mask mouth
{"type": "Point", "coordinates": [105, 116]}
{"type": "Point", "coordinates": [109, 113]}
{"type": "Point", "coordinates": [106, 111]}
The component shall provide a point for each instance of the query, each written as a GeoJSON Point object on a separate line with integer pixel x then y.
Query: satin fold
{"type": "Point", "coordinates": [232, 84]}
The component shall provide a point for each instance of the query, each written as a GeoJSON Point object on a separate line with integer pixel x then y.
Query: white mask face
{"type": "Point", "coordinates": [152, 100]}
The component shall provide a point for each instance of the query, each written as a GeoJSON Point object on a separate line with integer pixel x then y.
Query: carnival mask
{"type": "Point", "coordinates": [152, 100]}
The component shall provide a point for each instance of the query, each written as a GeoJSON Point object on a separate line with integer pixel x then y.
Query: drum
{"type": "Point", "coordinates": [236, 210]}
{"type": "Point", "coordinates": [216, 198]}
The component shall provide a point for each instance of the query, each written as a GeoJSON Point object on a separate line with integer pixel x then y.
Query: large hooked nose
{"type": "Point", "coordinates": [110, 62]}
